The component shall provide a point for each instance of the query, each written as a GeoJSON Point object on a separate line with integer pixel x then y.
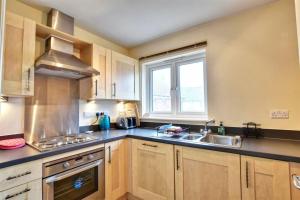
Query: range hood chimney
{"type": "Point", "coordinates": [59, 59]}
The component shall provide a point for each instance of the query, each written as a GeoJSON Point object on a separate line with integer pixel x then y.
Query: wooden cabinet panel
{"type": "Point", "coordinates": [28, 191]}
{"type": "Point", "coordinates": [116, 169]}
{"type": "Point", "coordinates": [209, 175]}
{"type": "Point", "coordinates": [295, 180]}
{"type": "Point", "coordinates": [152, 170]}
{"type": "Point", "coordinates": [19, 54]}
{"type": "Point", "coordinates": [125, 77]}
{"type": "Point", "coordinates": [20, 174]}
{"type": "Point", "coordinates": [96, 87]}
{"type": "Point", "coordinates": [264, 179]}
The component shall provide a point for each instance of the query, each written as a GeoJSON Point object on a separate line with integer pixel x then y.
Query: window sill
{"type": "Point", "coordinates": [182, 120]}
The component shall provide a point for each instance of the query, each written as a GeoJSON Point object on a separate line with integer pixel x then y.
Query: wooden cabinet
{"type": "Point", "coordinates": [19, 55]}
{"type": "Point", "coordinates": [116, 169]}
{"type": "Point", "coordinates": [20, 174]}
{"type": "Point", "coordinates": [28, 191]}
{"type": "Point", "coordinates": [264, 179]}
{"type": "Point", "coordinates": [125, 77]}
{"type": "Point", "coordinates": [152, 170]}
{"type": "Point", "coordinates": [204, 174]}
{"type": "Point", "coordinates": [295, 180]}
{"type": "Point", "coordinates": [297, 7]}
{"type": "Point", "coordinates": [96, 87]}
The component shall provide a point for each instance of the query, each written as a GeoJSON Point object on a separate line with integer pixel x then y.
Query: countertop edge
{"type": "Point", "coordinates": [239, 151]}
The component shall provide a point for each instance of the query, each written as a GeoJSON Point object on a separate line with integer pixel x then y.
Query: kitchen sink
{"type": "Point", "coordinates": [192, 137]}
{"type": "Point", "coordinates": [220, 140]}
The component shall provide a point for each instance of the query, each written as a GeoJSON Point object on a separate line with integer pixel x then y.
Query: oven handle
{"type": "Point", "coordinates": [72, 172]}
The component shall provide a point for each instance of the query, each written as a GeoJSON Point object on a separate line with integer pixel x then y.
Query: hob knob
{"type": "Point", "coordinates": [90, 157]}
{"type": "Point", "coordinates": [66, 165]}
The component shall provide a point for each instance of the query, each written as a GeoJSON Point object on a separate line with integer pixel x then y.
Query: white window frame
{"type": "Point", "coordinates": [174, 64]}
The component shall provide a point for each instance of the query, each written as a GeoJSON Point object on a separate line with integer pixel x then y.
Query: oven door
{"type": "Point", "coordinates": [83, 182]}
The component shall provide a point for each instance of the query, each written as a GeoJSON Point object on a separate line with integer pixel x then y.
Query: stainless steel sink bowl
{"type": "Point", "coordinates": [220, 140]}
{"type": "Point", "coordinates": [192, 137]}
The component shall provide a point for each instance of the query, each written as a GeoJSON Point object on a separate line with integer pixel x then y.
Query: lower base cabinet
{"type": "Point", "coordinates": [265, 179]}
{"type": "Point", "coordinates": [208, 175]}
{"type": "Point", "coordinates": [152, 170]}
{"type": "Point", "coordinates": [116, 169]}
{"type": "Point", "coordinates": [28, 191]}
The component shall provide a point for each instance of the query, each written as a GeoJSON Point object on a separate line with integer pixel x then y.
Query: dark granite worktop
{"type": "Point", "coordinates": [286, 150]}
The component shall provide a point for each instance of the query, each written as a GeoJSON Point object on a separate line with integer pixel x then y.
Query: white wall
{"type": "Point", "coordinates": [12, 116]}
{"type": "Point", "coordinates": [252, 64]}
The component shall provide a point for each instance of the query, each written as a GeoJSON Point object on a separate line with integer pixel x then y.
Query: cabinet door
{"type": "Point", "coordinates": [152, 170]}
{"type": "Point", "coordinates": [295, 180]}
{"type": "Point", "coordinates": [125, 77]}
{"type": "Point", "coordinates": [19, 54]}
{"type": "Point", "coordinates": [203, 174]}
{"type": "Point", "coordinates": [115, 169]}
{"type": "Point", "coordinates": [97, 87]}
{"type": "Point", "coordinates": [264, 179]}
{"type": "Point", "coordinates": [27, 191]}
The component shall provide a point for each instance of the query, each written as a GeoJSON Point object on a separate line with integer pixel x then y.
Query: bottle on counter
{"type": "Point", "coordinates": [221, 129]}
{"type": "Point", "coordinates": [104, 121]}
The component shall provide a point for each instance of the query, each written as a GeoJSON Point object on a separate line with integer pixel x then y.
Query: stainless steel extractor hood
{"type": "Point", "coordinates": [59, 59]}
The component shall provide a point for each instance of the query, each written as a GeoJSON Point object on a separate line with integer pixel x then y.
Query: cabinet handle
{"type": "Point", "coordinates": [247, 174]}
{"type": "Point", "coordinates": [114, 90]}
{"type": "Point", "coordinates": [177, 160]}
{"type": "Point", "coordinates": [109, 154]}
{"type": "Point", "coordinates": [296, 181]}
{"type": "Point", "coordinates": [17, 194]}
{"type": "Point", "coordinates": [18, 176]}
{"type": "Point", "coordinates": [28, 79]}
{"type": "Point", "coordinates": [96, 87]}
{"type": "Point", "coordinates": [150, 145]}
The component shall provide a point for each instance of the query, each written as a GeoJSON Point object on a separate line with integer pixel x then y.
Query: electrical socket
{"type": "Point", "coordinates": [279, 114]}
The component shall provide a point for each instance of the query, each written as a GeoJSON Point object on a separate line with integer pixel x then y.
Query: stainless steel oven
{"type": "Point", "coordinates": [80, 176]}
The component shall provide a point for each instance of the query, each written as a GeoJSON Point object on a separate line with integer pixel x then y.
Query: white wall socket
{"type": "Point", "coordinates": [89, 114]}
{"type": "Point", "coordinates": [279, 114]}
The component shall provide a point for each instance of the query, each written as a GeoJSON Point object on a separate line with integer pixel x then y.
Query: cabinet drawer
{"type": "Point", "coordinates": [152, 146]}
{"type": "Point", "coordinates": [28, 191]}
{"type": "Point", "coordinates": [20, 174]}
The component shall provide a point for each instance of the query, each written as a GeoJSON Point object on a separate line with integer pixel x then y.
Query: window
{"type": "Point", "coordinates": [177, 86]}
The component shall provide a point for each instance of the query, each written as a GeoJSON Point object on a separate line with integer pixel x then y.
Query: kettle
{"type": "Point", "coordinates": [104, 121]}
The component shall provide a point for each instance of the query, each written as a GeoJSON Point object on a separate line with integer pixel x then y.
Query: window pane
{"type": "Point", "coordinates": [192, 97]}
{"type": "Point", "coordinates": [161, 90]}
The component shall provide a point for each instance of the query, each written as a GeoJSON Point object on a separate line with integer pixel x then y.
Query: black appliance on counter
{"type": "Point", "coordinates": [126, 122]}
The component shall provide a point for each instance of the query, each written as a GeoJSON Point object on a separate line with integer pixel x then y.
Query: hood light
{"type": "Point", "coordinates": [3, 99]}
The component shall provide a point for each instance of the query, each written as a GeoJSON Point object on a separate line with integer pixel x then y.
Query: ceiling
{"type": "Point", "coordinates": [134, 22]}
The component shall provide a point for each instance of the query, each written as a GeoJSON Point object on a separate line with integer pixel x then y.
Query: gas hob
{"type": "Point", "coordinates": [49, 144]}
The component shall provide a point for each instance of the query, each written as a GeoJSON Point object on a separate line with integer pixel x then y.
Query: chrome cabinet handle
{"type": "Point", "coordinates": [28, 79]}
{"type": "Point", "coordinates": [96, 87]}
{"type": "Point", "coordinates": [177, 160]}
{"type": "Point", "coordinates": [114, 90]}
{"type": "Point", "coordinates": [247, 174]}
{"type": "Point", "coordinates": [17, 194]}
{"type": "Point", "coordinates": [296, 181]}
{"type": "Point", "coordinates": [109, 154]}
{"type": "Point", "coordinates": [150, 145]}
{"type": "Point", "coordinates": [18, 176]}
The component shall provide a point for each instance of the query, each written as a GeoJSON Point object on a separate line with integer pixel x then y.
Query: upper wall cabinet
{"type": "Point", "coordinates": [297, 7]}
{"type": "Point", "coordinates": [96, 87]}
{"type": "Point", "coordinates": [125, 77]}
{"type": "Point", "coordinates": [19, 54]}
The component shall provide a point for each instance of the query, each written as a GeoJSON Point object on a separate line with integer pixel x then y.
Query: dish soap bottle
{"type": "Point", "coordinates": [221, 129]}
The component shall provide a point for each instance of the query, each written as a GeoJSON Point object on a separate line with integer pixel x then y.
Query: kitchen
{"type": "Point", "coordinates": [130, 100]}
